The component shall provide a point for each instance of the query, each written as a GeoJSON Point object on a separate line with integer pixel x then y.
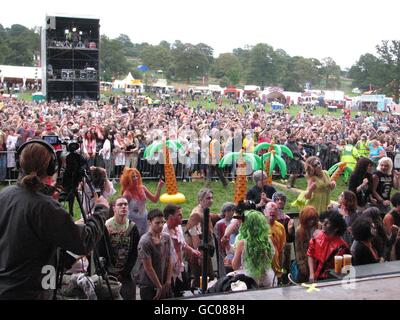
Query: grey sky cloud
{"type": "Point", "coordinates": [341, 29]}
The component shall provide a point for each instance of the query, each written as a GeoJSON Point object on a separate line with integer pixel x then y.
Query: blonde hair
{"type": "Point", "coordinates": [388, 161]}
{"type": "Point", "coordinates": [308, 166]}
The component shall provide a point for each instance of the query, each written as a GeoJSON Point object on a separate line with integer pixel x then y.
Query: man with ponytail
{"type": "Point", "coordinates": [33, 225]}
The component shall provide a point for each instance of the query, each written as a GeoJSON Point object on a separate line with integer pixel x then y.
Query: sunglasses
{"type": "Point", "coordinates": [317, 164]}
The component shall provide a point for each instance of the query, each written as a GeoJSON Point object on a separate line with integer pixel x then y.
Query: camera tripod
{"type": "Point", "coordinates": [99, 263]}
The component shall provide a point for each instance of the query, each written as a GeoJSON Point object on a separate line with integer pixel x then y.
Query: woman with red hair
{"type": "Point", "coordinates": [137, 194]}
{"type": "Point", "coordinates": [308, 224]}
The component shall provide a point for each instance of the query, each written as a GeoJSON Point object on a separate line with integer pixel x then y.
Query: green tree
{"type": "Point", "coordinates": [156, 57]}
{"type": "Point", "coordinates": [331, 73]}
{"type": "Point", "coordinates": [280, 66]}
{"type": "Point", "coordinates": [19, 45]}
{"type": "Point", "coordinates": [4, 49]}
{"type": "Point", "coordinates": [389, 54]}
{"type": "Point", "coordinates": [128, 46]}
{"type": "Point", "coordinates": [301, 71]}
{"type": "Point", "coordinates": [368, 72]}
{"type": "Point", "coordinates": [260, 66]}
{"type": "Point", "coordinates": [113, 61]}
{"type": "Point", "coordinates": [227, 65]}
{"type": "Point", "coordinates": [207, 51]}
{"type": "Point", "coordinates": [165, 44]}
{"type": "Point", "coordinates": [189, 61]}
{"type": "Point", "coordinates": [243, 54]}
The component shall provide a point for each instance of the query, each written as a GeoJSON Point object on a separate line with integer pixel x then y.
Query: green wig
{"type": "Point", "coordinates": [259, 252]}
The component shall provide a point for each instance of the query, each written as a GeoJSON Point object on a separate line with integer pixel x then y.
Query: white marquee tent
{"type": "Point", "coordinates": [18, 72]}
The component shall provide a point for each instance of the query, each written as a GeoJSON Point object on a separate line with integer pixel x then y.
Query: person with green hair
{"type": "Point", "coordinates": [254, 250]}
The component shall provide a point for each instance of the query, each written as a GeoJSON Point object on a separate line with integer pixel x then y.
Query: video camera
{"type": "Point", "coordinates": [75, 164]}
{"type": "Point", "coordinates": [71, 144]}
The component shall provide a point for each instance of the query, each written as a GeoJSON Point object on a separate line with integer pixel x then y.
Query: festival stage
{"type": "Point", "coordinates": [371, 282]}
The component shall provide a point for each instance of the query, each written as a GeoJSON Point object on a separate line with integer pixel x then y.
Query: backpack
{"type": "Point", "coordinates": [224, 284]}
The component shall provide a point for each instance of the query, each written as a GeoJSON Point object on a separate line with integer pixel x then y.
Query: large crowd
{"type": "Point", "coordinates": [115, 134]}
{"type": "Point", "coordinates": [254, 241]}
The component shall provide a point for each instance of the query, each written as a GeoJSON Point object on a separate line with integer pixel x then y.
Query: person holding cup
{"type": "Point", "coordinates": [325, 245]}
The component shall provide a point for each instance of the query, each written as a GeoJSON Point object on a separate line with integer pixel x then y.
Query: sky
{"type": "Point", "coordinates": [340, 29]}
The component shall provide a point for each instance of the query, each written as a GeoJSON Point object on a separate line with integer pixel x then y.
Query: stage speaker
{"type": "Point", "coordinates": [82, 74]}
{"type": "Point", "coordinates": [67, 74]}
{"type": "Point", "coordinates": [72, 76]}
{"type": "Point", "coordinates": [91, 74]}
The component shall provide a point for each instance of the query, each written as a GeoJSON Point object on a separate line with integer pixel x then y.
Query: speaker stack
{"type": "Point", "coordinates": [91, 73]}
{"type": "Point", "coordinates": [83, 74]}
{"type": "Point", "coordinates": [67, 74]}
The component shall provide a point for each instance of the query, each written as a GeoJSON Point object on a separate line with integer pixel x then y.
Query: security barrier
{"type": "Point", "coordinates": [150, 170]}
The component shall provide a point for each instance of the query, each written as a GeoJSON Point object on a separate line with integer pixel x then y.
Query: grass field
{"type": "Point", "coordinates": [221, 194]}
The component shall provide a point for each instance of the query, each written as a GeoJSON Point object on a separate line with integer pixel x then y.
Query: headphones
{"type": "Point", "coordinates": [52, 168]}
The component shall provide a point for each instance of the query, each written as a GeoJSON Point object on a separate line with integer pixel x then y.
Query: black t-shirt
{"type": "Point", "coordinates": [385, 185]}
{"type": "Point", "coordinates": [254, 194]}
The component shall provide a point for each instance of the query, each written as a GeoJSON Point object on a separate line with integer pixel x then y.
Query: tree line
{"type": "Point", "coordinates": [259, 64]}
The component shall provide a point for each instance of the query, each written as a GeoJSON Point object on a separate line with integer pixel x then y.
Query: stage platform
{"type": "Point", "coordinates": [370, 282]}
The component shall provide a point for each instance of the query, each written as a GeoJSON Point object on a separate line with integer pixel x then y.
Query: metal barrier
{"type": "Point", "coordinates": [148, 170]}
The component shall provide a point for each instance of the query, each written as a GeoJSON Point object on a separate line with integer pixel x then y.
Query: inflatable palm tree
{"type": "Point", "coordinates": [337, 169]}
{"type": "Point", "coordinates": [241, 178]}
{"type": "Point", "coordinates": [273, 158]}
{"type": "Point", "coordinates": [172, 195]}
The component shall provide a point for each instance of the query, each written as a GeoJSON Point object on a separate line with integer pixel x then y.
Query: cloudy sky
{"type": "Point", "coordinates": [341, 29]}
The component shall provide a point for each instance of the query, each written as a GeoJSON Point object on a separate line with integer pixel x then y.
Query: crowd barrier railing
{"type": "Point", "coordinates": [150, 170]}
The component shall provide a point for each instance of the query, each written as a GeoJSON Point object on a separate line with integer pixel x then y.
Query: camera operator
{"type": "Point", "coordinates": [34, 225]}
{"type": "Point", "coordinates": [102, 186]}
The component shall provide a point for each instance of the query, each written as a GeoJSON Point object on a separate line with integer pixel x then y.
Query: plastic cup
{"type": "Point", "coordinates": [201, 281]}
{"type": "Point", "coordinates": [338, 264]}
{"type": "Point", "coordinates": [347, 260]}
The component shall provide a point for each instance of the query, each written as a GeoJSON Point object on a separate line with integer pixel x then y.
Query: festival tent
{"type": "Point", "coordinates": [310, 97]}
{"type": "Point", "coordinates": [292, 97]}
{"type": "Point", "coordinates": [128, 84]}
{"type": "Point", "coordinates": [232, 90]}
{"type": "Point", "coordinates": [201, 90]}
{"type": "Point", "coordinates": [251, 90]}
{"type": "Point", "coordinates": [273, 94]}
{"type": "Point", "coordinates": [378, 100]}
{"type": "Point", "coordinates": [334, 96]}
{"type": "Point", "coordinates": [215, 88]}
{"type": "Point", "coordinates": [162, 84]}
{"type": "Point", "coordinates": [18, 73]}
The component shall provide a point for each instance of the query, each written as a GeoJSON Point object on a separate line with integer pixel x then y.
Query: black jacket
{"type": "Point", "coordinates": [32, 226]}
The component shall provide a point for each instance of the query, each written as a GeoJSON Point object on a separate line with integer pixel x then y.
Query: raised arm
{"type": "Point", "coordinates": [154, 197]}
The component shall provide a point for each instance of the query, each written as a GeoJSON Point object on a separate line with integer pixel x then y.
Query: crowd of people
{"type": "Point", "coordinates": [253, 240]}
{"type": "Point", "coordinates": [115, 134]}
